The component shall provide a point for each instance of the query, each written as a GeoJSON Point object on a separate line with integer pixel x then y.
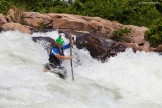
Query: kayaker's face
{"type": "Point", "coordinates": [59, 45]}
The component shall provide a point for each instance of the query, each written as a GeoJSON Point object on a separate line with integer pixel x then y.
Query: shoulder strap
{"type": "Point", "coordinates": [52, 48]}
{"type": "Point", "coordinates": [61, 51]}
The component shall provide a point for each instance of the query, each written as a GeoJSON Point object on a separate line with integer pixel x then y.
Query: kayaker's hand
{"type": "Point", "coordinates": [68, 57]}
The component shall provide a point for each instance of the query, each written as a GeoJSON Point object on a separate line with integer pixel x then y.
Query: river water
{"type": "Point", "coordinates": [128, 80]}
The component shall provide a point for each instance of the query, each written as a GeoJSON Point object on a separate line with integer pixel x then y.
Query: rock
{"type": "Point", "coordinates": [2, 20]}
{"type": "Point", "coordinates": [66, 24]}
{"type": "Point", "coordinates": [136, 47]}
{"type": "Point", "coordinates": [99, 47]}
{"type": "Point", "coordinates": [34, 19]}
{"type": "Point", "coordinates": [47, 39]}
{"type": "Point", "coordinates": [137, 34]}
{"type": "Point", "coordinates": [49, 42]}
{"type": "Point", "coordinates": [14, 15]}
{"type": "Point", "coordinates": [94, 25]}
{"type": "Point", "coordinates": [16, 26]}
{"type": "Point", "coordinates": [159, 48]}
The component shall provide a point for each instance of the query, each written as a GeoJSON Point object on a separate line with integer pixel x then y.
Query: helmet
{"type": "Point", "coordinates": [60, 40]}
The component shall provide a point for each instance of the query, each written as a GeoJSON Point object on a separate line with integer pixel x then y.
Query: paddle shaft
{"type": "Point", "coordinates": [71, 62]}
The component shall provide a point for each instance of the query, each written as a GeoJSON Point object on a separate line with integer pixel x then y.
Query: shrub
{"type": "Point", "coordinates": [121, 34]}
{"type": "Point", "coordinates": [5, 5]}
{"type": "Point", "coordinates": [154, 35]}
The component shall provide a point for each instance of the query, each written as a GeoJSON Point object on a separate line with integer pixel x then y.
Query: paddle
{"type": "Point", "coordinates": [71, 62]}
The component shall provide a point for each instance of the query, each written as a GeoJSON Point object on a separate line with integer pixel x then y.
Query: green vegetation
{"type": "Point", "coordinates": [133, 12]}
{"type": "Point", "coordinates": [121, 34]}
{"type": "Point", "coordinates": [154, 35]}
{"type": "Point", "coordinates": [5, 6]}
{"type": "Point", "coordinates": [41, 25]}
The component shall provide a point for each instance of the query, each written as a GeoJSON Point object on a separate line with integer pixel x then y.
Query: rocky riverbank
{"type": "Point", "coordinates": [92, 32]}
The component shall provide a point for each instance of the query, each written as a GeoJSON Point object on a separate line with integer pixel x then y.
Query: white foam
{"type": "Point", "coordinates": [128, 80]}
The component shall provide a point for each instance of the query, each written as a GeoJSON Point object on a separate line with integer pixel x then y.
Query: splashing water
{"type": "Point", "coordinates": [128, 80]}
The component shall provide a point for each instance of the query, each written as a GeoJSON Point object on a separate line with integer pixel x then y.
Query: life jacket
{"type": "Point", "coordinates": [53, 59]}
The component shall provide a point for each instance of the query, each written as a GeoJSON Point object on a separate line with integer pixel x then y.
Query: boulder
{"type": "Point", "coordinates": [66, 24]}
{"type": "Point", "coordinates": [49, 42]}
{"type": "Point", "coordinates": [15, 26]}
{"type": "Point", "coordinates": [2, 20]}
{"type": "Point", "coordinates": [159, 48]}
{"type": "Point", "coordinates": [14, 15]}
{"type": "Point", "coordinates": [137, 34]}
{"type": "Point", "coordinates": [99, 47]}
{"type": "Point", "coordinates": [37, 20]}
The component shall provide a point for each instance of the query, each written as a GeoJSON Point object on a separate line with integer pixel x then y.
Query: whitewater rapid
{"type": "Point", "coordinates": [128, 80]}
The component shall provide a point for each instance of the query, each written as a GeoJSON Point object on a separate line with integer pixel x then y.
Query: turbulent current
{"type": "Point", "coordinates": [128, 80]}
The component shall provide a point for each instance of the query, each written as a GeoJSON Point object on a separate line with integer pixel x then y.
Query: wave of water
{"type": "Point", "coordinates": [128, 80]}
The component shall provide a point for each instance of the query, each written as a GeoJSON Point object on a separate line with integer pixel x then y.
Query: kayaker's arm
{"type": "Point", "coordinates": [63, 57]}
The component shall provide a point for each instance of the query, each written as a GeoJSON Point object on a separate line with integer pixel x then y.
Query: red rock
{"type": "Point", "coordinates": [16, 26]}
{"type": "Point", "coordinates": [2, 20]}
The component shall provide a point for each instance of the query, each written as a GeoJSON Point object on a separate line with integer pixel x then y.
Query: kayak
{"type": "Point", "coordinates": [58, 70]}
